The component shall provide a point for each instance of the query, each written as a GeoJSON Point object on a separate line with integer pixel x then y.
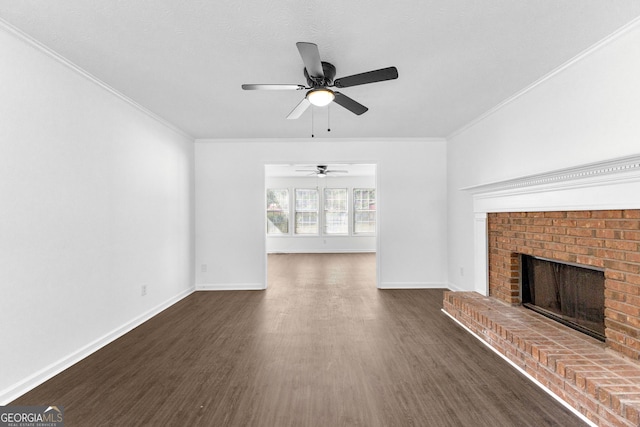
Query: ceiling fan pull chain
{"type": "Point", "coordinates": [312, 122]}
{"type": "Point", "coordinates": [328, 119]}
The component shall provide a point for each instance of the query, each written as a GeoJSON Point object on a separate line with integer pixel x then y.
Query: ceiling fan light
{"type": "Point", "coordinates": [320, 97]}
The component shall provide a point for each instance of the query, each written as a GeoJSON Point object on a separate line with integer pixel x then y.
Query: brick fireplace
{"type": "Point", "coordinates": [600, 381]}
{"type": "Point", "coordinates": [608, 239]}
{"type": "Point", "coordinates": [587, 215]}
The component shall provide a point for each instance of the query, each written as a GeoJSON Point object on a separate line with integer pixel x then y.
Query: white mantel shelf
{"type": "Point", "coordinates": [610, 184]}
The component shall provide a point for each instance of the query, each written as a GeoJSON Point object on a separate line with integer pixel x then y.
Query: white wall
{"type": "Point", "coordinates": [322, 243]}
{"type": "Point", "coordinates": [583, 113]}
{"type": "Point", "coordinates": [96, 199]}
{"type": "Point", "coordinates": [230, 183]}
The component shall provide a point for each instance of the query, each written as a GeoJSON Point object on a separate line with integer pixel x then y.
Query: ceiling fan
{"type": "Point", "coordinates": [320, 77]}
{"type": "Point", "coordinates": [321, 171]}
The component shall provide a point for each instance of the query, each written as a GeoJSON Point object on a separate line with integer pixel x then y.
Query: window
{"type": "Point", "coordinates": [364, 210]}
{"type": "Point", "coordinates": [277, 211]}
{"type": "Point", "coordinates": [306, 211]}
{"type": "Point", "coordinates": [336, 215]}
{"type": "Point", "coordinates": [329, 208]}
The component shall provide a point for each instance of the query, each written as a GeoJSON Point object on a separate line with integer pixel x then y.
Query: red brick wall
{"type": "Point", "coordinates": [607, 239]}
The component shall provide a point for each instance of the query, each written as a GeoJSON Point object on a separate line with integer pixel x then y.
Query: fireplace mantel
{"type": "Point", "coordinates": [609, 184]}
{"type": "Point", "coordinates": [571, 182]}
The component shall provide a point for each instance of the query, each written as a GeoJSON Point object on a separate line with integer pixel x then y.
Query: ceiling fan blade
{"type": "Point", "coordinates": [299, 109]}
{"type": "Point", "coordinates": [311, 58]}
{"type": "Point", "coordinates": [368, 77]}
{"type": "Point", "coordinates": [349, 104]}
{"type": "Point", "coordinates": [337, 171]}
{"type": "Point", "coordinates": [273, 87]}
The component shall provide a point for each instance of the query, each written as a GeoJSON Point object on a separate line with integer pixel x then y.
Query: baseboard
{"type": "Point", "coordinates": [13, 392]}
{"type": "Point", "coordinates": [230, 287]}
{"type": "Point", "coordinates": [413, 285]}
{"type": "Point", "coordinates": [453, 287]}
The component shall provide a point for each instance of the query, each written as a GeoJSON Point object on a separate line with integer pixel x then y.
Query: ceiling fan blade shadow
{"type": "Point", "coordinates": [299, 109]}
{"type": "Point", "coordinates": [380, 75]}
{"type": "Point", "coordinates": [272, 87]}
{"type": "Point", "coordinates": [348, 103]}
{"type": "Point", "coordinates": [311, 58]}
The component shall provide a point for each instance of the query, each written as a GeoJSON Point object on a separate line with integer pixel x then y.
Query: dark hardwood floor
{"type": "Point", "coordinates": [321, 347]}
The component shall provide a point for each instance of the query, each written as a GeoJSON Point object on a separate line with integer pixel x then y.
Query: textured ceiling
{"type": "Point", "coordinates": [185, 60]}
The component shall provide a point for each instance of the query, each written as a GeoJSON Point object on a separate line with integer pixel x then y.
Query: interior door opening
{"type": "Point", "coordinates": [322, 208]}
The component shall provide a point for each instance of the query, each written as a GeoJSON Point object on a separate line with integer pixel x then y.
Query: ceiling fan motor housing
{"type": "Point", "coordinates": [329, 74]}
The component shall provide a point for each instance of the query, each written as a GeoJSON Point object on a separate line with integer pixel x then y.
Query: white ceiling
{"type": "Point", "coordinates": [185, 59]}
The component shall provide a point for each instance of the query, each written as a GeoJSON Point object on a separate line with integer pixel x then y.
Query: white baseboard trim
{"type": "Point", "coordinates": [13, 392]}
{"type": "Point", "coordinates": [230, 287]}
{"type": "Point", "coordinates": [412, 285]}
{"type": "Point", "coordinates": [454, 287]}
{"type": "Point", "coordinates": [523, 372]}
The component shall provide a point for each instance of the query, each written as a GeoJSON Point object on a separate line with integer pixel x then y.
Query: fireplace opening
{"type": "Point", "coordinates": [568, 293]}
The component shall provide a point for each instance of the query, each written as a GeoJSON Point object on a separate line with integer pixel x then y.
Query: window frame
{"type": "Point", "coordinates": [325, 225]}
{"type": "Point", "coordinates": [288, 212]}
{"type": "Point", "coordinates": [296, 211]}
{"type": "Point", "coordinates": [374, 211]}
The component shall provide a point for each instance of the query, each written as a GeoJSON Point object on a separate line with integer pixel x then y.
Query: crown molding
{"type": "Point", "coordinates": [579, 57]}
{"type": "Point", "coordinates": [21, 35]}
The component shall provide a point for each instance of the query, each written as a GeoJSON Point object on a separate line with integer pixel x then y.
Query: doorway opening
{"type": "Point", "coordinates": [321, 208]}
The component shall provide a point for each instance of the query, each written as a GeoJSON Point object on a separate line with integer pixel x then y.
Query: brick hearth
{"type": "Point", "coordinates": [598, 383]}
{"type": "Point", "coordinates": [602, 381]}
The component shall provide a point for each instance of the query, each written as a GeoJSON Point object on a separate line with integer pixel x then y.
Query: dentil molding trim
{"type": "Point", "coordinates": [623, 168]}
{"type": "Point", "coordinates": [608, 184]}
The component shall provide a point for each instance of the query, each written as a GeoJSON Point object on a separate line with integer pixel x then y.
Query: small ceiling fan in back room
{"type": "Point", "coordinates": [322, 171]}
{"type": "Point", "coordinates": [320, 78]}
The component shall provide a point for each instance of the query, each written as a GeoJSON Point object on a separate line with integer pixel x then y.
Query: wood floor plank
{"type": "Point", "coordinates": [321, 347]}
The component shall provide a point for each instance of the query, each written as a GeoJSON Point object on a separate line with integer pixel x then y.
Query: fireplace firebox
{"type": "Point", "coordinates": [568, 293]}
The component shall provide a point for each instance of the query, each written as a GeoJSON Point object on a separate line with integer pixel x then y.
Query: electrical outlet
{"type": "Point", "coordinates": [143, 290]}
